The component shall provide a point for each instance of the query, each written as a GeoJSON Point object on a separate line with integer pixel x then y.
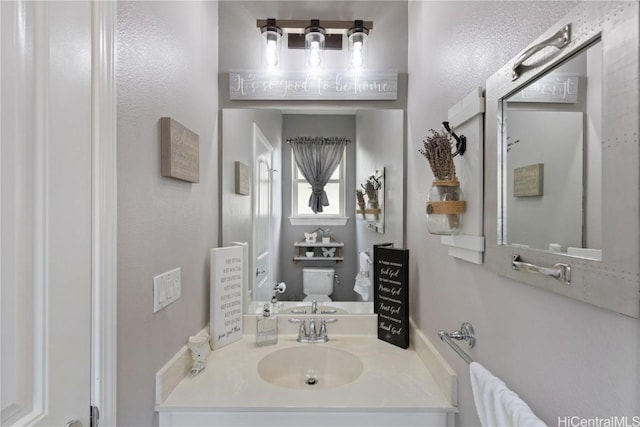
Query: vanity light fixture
{"type": "Point", "coordinates": [314, 36]}
{"type": "Point", "coordinates": [358, 35]}
{"type": "Point", "coordinates": [272, 35]}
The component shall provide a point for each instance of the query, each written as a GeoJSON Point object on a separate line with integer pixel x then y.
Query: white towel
{"type": "Point", "coordinates": [363, 282]}
{"type": "Point", "coordinates": [497, 406]}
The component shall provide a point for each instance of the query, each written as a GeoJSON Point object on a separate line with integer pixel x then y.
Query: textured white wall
{"type": "Point", "coordinates": [166, 66]}
{"type": "Point", "coordinates": [562, 356]}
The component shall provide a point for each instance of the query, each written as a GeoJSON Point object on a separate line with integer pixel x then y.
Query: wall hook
{"type": "Point", "coordinates": [461, 141]}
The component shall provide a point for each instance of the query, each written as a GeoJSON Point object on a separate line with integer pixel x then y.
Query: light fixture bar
{"type": "Point", "coordinates": [298, 25]}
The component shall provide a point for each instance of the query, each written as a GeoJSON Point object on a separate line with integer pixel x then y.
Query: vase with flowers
{"type": "Point", "coordinates": [445, 203]}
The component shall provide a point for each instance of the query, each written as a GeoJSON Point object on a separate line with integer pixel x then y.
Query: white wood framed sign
{"type": "Point", "coordinates": [226, 295]}
{"type": "Point", "coordinates": [325, 85]}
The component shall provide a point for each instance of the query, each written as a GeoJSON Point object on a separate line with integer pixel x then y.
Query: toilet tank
{"type": "Point", "coordinates": [317, 281]}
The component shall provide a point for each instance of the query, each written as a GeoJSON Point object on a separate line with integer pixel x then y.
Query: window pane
{"type": "Point", "coordinates": [304, 191]}
{"type": "Point", "coordinates": [333, 194]}
{"type": "Point", "coordinates": [336, 173]}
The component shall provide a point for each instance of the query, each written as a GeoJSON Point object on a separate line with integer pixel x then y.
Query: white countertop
{"type": "Point", "coordinates": [393, 379]}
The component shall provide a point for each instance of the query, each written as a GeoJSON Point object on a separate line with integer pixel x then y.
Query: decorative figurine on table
{"type": "Point", "coordinates": [200, 349]}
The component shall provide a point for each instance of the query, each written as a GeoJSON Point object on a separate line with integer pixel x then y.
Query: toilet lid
{"type": "Point", "coordinates": [319, 298]}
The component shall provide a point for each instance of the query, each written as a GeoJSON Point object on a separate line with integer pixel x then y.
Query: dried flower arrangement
{"type": "Point", "coordinates": [370, 191]}
{"type": "Point", "coordinates": [360, 197]}
{"type": "Point", "coordinates": [437, 150]}
{"type": "Point", "coordinates": [444, 203]}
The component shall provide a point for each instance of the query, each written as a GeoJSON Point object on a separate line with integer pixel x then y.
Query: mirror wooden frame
{"type": "Point", "coordinates": [614, 282]}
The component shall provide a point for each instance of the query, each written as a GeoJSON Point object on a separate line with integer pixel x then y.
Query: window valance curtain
{"type": "Point", "coordinates": [317, 158]}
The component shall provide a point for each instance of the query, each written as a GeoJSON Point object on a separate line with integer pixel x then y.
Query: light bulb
{"type": "Point", "coordinates": [272, 35]}
{"type": "Point", "coordinates": [357, 58]}
{"type": "Point", "coordinates": [314, 55]}
{"type": "Point", "coordinates": [314, 36]}
{"type": "Point", "coordinates": [271, 54]}
{"type": "Point", "coordinates": [358, 45]}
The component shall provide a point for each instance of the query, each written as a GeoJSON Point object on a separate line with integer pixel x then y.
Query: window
{"type": "Point", "coordinates": [334, 214]}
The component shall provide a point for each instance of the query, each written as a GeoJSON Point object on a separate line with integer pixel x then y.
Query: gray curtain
{"type": "Point", "coordinates": [317, 158]}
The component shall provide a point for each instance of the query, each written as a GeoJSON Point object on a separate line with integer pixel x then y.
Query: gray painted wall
{"type": "Point", "coordinates": [166, 66]}
{"type": "Point", "coordinates": [319, 125]}
{"type": "Point", "coordinates": [563, 357]}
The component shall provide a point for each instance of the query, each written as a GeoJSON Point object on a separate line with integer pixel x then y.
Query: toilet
{"type": "Point", "coordinates": [317, 283]}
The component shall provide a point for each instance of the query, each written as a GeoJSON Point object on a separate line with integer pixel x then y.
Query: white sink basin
{"type": "Point", "coordinates": [322, 309]}
{"type": "Point", "coordinates": [310, 367]}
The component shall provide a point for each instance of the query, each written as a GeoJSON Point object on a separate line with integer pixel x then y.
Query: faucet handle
{"type": "Point", "coordinates": [323, 326]}
{"type": "Point", "coordinates": [302, 332]}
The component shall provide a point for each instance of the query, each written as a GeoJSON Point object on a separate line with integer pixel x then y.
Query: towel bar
{"type": "Point", "coordinates": [465, 333]}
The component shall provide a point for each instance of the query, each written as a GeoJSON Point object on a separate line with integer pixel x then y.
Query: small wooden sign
{"type": "Point", "coordinates": [180, 151]}
{"type": "Point", "coordinates": [528, 181]}
{"type": "Point", "coordinates": [242, 178]}
{"type": "Point", "coordinates": [226, 295]}
{"type": "Point", "coordinates": [391, 294]}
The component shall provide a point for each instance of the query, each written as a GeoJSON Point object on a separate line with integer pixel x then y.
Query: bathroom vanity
{"type": "Point", "coordinates": [351, 380]}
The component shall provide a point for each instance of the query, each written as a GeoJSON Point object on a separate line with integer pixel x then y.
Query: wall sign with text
{"type": "Point", "coordinates": [226, 296]}
{"type": "Point", "coordinates": [325, 85]}
{"type": "Point", "coordinates": [391, 287]}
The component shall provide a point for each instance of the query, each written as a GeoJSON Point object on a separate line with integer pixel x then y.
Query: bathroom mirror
{"type": "Point", "coordinates": [377, 144]}
{"type": "Point", "coordinates": [551, 157]}
{"type": "Point", "coordinates": [561, 205]}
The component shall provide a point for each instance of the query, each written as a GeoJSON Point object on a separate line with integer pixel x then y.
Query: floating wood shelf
{"type": "Point", "coordinates": [375, 212]}
{"type": "Point", "coordinates": [297, 259]}
{"type": "Point", "coordinates": [333, 243]}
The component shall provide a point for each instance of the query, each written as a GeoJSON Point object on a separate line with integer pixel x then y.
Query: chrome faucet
{"type": "Point", "coordinates": [312, 337]}
{"type": "Point", "coordinates": [314, 307]}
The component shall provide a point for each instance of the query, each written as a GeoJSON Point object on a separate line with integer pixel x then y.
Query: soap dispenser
{"type": "Point", "coordinates": [267, 328]}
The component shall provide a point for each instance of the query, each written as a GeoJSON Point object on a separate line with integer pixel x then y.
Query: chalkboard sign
{"type": "Point", "coordinates": [391, 294]}
{"type": "Point", "coordinates": [375, 271]}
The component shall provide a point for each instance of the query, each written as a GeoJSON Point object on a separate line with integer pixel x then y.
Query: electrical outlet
{"type": "Point", "coordinates": [167, 288]}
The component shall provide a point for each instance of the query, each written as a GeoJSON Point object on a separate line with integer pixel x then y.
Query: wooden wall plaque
{"type": "Point", "coordinates": [391, 290]}
{"type": "Point", "coordinates": [180, 151]}
{"type": "Point", "coordinates": [528, 181]}
{"type": "Point", "coordinates": [242, 178]}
